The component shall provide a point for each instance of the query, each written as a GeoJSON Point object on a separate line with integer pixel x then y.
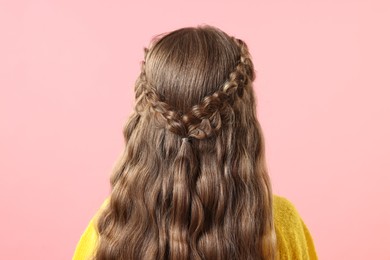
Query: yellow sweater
{"type": "Point", "coordinates": [293, 238]}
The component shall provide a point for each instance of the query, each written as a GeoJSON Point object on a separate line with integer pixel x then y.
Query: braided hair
{"type": "Point", "coordinates": [192, 181]}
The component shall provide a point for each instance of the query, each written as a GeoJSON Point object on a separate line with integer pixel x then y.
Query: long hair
{"type": "Point", "coordinates": [192, 181]}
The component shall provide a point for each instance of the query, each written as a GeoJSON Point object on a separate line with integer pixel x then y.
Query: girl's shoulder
{"type": "Point", "coordinates": [294, 240]}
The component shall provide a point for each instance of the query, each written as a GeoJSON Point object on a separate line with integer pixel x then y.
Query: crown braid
{"type": "Point", "coordinates": [204, 119]}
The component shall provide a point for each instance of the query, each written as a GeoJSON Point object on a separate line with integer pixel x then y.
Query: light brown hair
{"type": "Point", "coordinates": [192, 181]}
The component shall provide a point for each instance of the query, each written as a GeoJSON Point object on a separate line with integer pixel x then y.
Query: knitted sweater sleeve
{"type": "Point", "coordinates": [89, 239]}
{"type": "Point", "coordinates": [294, 240]}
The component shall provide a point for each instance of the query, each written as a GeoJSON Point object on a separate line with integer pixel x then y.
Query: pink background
{"type": "Point", "coordinates": [66, 75]}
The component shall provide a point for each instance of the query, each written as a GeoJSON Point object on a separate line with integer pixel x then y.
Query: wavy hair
{"type": "Point", "coordinates": [192, 181]}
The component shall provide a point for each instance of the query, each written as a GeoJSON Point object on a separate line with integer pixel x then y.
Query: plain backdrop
{"type": "Point", "coordinates": [67, 70]}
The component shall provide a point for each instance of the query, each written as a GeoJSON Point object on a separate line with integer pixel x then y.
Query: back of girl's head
{"type": "Point", "coordinates": [192, 181]}
{"type": "Point", "coordinates": [191, 63]}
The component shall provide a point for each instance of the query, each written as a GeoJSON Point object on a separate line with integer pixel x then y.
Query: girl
{"type": "Point", "coordinates": [192, 182]}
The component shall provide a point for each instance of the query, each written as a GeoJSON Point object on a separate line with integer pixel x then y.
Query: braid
{"type": "Point", "coordinates": [208, 198]}
{"type": "Point", "coordinates": [205, 119]}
